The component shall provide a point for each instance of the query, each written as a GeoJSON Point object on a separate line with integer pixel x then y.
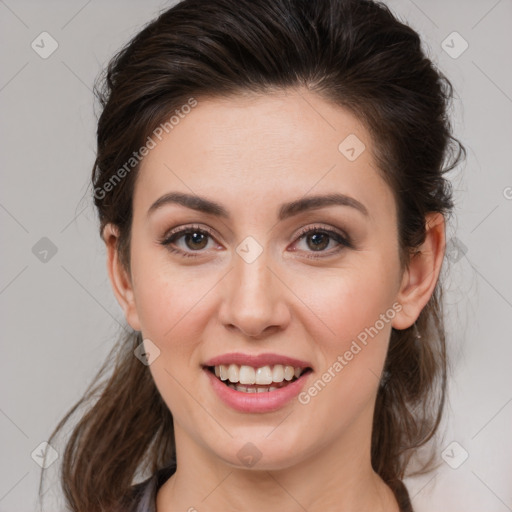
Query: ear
{"type": "Point", "coordinates": [120, 279]}
{"type": "Point", "coordinates": [420, 278]}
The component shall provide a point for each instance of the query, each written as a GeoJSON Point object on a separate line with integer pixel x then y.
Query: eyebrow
{"type": "Point", "coordinates": [286, 210]}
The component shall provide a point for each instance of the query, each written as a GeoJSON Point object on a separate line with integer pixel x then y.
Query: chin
{"type": "Point", "coordinates": [261, 455]}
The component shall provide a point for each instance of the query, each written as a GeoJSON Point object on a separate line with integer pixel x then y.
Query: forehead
{"type": "Point", "coordinates": [263, 148]}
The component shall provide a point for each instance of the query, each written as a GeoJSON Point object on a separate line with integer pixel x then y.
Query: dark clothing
{"type": "Point", "coordinates": [144, 493]}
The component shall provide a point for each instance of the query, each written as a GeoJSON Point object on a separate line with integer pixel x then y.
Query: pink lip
{"type": "Point", "coordinates": [268, 401]}
{"type": "Point", "coordinates": [256, 361]}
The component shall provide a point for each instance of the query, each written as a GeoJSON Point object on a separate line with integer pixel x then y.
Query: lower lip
{"type": "Point", "coordinates": [267, 401]}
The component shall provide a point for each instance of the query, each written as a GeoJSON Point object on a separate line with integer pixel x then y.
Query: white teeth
{"type": "Point", "coordinates": [289, 372]}
{"type": "Point", "coordinates": [247, 375]}
{"type": "Point", "coordinates": [278, 373]}
{"type": "Point", "coordinates": [223, 370]}
{"type": "Point", "coordinates": [233, 373]}
{"type": "Point", "coordinates": [264, 376]}
{"type": "Point", "coordinates": [246, 389]}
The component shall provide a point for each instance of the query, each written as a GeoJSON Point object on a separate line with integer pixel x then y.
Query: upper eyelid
{"type": "Point", "coordinates": [182, 230]}
{"type": "Point", "coordinates": [302, 231]}
{"type": "Point", "coordinates": [320, 227]}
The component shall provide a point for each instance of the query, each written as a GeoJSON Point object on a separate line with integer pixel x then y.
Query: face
{"type": "Point", "coordinates": [265, 279]}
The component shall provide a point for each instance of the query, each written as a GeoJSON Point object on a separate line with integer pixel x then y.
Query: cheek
{"type": "Point", "coordinates": [359, 314]}
{"type": "Point", "coordinates": [169, 304]}
{"type": "Point", "coordinates": [355, 307]}
{"type": "Point", "coordinates": [166, 295]}
{"type": "Point", "coordinates": [348, 302]}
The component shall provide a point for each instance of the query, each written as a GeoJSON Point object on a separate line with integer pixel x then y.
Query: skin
{"type": "Point", "coordinates": [251, 154]}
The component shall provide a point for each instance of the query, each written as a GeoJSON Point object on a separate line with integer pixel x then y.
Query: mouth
{"type": "Point", "coordinates": [263, 379]}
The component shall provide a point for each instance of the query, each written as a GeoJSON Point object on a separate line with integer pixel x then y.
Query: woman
{"type": "Point", "coordinates": [271, 193]}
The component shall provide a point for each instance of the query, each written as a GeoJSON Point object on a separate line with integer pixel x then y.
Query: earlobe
{"type": "Point", "coordinates": [420, 278]}
{"type": "Point", "coordinates": [120, 279]}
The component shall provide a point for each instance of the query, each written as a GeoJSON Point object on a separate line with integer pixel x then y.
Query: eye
{"type": "Point", "coordinates": [319, 238]}
{"type": "Point", "coordinates": [194, 237]}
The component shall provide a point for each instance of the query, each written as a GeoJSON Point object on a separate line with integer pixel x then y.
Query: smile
{"type": "Point", "coordinates": [249, 379]}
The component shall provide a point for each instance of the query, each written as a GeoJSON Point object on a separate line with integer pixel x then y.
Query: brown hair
{"type": "Point", "coordinates": [353, 53]}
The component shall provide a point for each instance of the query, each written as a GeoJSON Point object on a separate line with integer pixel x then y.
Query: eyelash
{"type": "Point", "coordinates": [343, 240]}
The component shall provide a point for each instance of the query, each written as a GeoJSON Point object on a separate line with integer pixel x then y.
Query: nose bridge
{"type": "Point", "coordinates": [253, 277]}
{"type": "Point", "coordinates": [255, 300]}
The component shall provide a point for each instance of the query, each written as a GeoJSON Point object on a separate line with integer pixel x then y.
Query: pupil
{"type": "Point", "coordinates": [318, 243]}
{"type": "Point", "coordinates": [193, 237]}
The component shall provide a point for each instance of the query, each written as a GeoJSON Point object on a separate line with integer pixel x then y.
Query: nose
{"type": "Point", "coordinates": [255, 299]}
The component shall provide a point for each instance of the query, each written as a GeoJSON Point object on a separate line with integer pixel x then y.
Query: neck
{"type": "Point", "coordinates": [336, 477]}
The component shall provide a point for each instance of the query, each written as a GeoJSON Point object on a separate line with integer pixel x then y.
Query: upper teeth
{"type": "Point", "coordinates": [264, 375]}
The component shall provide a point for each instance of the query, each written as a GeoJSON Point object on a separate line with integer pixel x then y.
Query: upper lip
{"type": "Point", "coordinates": [256, 361]}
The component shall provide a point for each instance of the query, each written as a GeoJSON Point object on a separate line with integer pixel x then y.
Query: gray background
{"type": "Point", "coordinates": [60, 318]}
